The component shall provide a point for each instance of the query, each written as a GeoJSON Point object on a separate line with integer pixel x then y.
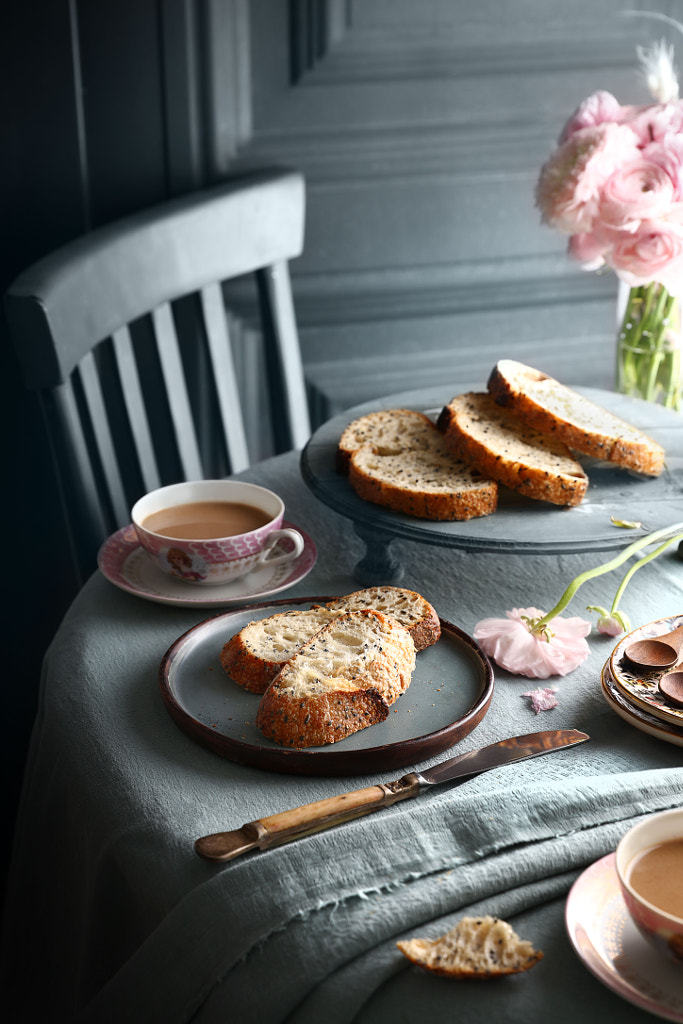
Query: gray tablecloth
{"type": "Point", "coordinates": [112, 917]}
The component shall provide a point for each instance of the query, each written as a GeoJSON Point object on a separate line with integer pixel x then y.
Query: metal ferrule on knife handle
{"type": "Point", "coordinates": [302, 821]}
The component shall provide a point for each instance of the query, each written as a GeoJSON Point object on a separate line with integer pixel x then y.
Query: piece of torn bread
{"type": "Point", "coordinates": [547, 405]}
{"type": "Point", "coordinates": [502, 447]}
{"type": "Point", "coordinates": [255, 655]}
{"type": "Point", "coordinates": [342, 680]}
{"type": "Point", "coordinates": [477, 947]}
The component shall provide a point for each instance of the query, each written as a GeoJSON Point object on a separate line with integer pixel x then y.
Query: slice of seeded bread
{"type": "Point", "coordinates": [501, 446]}
{"type": "Point", "coordinates": [388, 432]}
{"type": "Point", "coordinates": [477, 947]}
{"type": "Point", "coordinates": [545, 404]}
{"type": "Point", "coordinates": [431, 484]}
{"type": "Point", "coordinates": [255, 655]}
{"type": "Point", "coordinates": [340, 681]}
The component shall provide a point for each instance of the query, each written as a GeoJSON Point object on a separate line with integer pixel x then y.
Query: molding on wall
{"type": "Point", "coordinates": [315, 26]}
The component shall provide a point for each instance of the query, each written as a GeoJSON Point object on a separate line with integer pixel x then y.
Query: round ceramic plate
{"type": "Point", "coordinates": [520, 524]}
{"type": "Point", "coordinates": [450, 692]}
{"type": "Point", "coordinates": [641, 687]}
{"type": "Point", "coordinates": [126, 564]}
{"type": "Point", "coordinates": [608, 942]}
{"type": "Point", "coordinates": [635, 715]}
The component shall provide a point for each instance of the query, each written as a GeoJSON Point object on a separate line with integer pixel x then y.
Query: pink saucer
{"type": "Point", "coordinates": [125, 563]}
{"type": "Point", "coordinates": [606, 939]}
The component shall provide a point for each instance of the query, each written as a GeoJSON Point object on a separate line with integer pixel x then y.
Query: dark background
{"type": "Point", "coordinates": [420, 129]}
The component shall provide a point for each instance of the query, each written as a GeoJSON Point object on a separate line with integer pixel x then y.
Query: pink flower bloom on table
{"type": "Point", "coordinates": [556, 650]}
{"type": "Point", "coordinates": [544, 699]}
{"type": "Point", "coordinates": [598, 108]}
{"type": "Point", "coordinates": [568, 189]}
{"type": "Point", "coordinates": [653, 253]}
{"type": "Point", "coordinates": [639, 190]}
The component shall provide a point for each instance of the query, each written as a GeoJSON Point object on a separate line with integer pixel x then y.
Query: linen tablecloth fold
{"type": "Point", "coordinates": [333, 900]}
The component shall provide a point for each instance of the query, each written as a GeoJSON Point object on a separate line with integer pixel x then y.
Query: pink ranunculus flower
{"type": "Point", "coordinates": [656, 121]}
{"type": "Point", "coordinates": [589, 250]}
{"type": "Point", "coordinates": [598, 108]}
{"type": "Point", "coordinates": [653, 253]}
{"type": "Point", "coordinates": [568, 189]}
{"type": "Point", "coordinates": [668, 154]}
{"type": "Point", "coordinates": [511, 642]}
{"type": "Point", "coordinates": [638, 190]}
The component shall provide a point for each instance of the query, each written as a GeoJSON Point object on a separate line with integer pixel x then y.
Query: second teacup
{"type": "Point", "coordinates": [210, 532]}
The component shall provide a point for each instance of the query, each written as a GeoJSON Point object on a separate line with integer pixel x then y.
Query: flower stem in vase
{"type": "Point", "coordinates": [648, 346]}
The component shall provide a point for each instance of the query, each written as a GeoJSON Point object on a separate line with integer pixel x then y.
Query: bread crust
{"type": "Point", "coordinates": [547, 405]}
{"type": "Point", "coordinates": [341, 681]}
{"type": "Point", "coordinates": [501, 446]}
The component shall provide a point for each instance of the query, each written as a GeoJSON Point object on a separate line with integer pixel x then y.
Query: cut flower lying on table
{"type": "Point", "coordinates": [530, 643]}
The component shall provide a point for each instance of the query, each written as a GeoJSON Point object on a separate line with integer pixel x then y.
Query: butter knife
{"type": "Point", "coordinates": [302, 821]}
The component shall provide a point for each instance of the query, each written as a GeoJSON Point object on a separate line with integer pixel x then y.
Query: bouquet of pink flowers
{"type": "Point", "coordinates": [614, 184]}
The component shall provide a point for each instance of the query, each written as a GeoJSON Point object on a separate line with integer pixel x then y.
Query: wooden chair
{"type": "Point", "coordinates": [124, 335]}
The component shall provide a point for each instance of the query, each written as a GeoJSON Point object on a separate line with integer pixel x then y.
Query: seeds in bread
{"type": "Point", "coordinates": [545, 404]}
{"type": "Point", "coordinates": [388, 432]}
{"type": "Point", "coordinates": [339, 682]}
{"type": "Point", "coordinates": [430, 484]}
{"type": "Point", "coordinates": [477, 947]}
{"type": "Point", "coordinates": [255, 655]}
{"type": "Point", "coordinates": [501, 446]}
{"type": "Point", "coordinates": [406, 606]}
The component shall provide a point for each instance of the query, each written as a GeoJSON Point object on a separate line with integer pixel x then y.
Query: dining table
{"type": "Point", "coordinates": [111, 914]}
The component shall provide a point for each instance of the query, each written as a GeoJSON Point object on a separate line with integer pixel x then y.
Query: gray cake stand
{"type": "Point", "coordinates": [520, 525]}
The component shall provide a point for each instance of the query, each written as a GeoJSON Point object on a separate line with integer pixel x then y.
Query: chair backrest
{"type": "Point", "coordinates": [124, 334]}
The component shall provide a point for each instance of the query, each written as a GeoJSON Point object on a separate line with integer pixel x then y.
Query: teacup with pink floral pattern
{"type": "Point", "coordinates": [217, 560]}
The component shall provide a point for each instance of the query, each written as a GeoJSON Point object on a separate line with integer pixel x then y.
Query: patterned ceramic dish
{"type": "Point", "coordinates": [635, 715]}
{"type": "Point", "coordinates": [640, 688]}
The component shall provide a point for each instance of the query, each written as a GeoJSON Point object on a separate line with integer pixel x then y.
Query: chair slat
{"type": "Point", "coordinates": [225, 380]}
{"type": "Point", "coordinates": [135, 407]}
{"type": "Point", "coordinates": [76, 480]}
{"type": "Point", "coordinates": [283, 356]}
{"type": "Point", "coordinates": [179, 402]}
{"type": "Point", "coordinates": [92, 391]}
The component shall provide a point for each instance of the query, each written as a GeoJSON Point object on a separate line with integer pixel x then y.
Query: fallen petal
{"type": "Point", "coordinates": [543, 699]}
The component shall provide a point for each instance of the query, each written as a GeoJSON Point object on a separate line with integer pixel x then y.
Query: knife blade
{"type": "Point", "coordinates": [286, 826]}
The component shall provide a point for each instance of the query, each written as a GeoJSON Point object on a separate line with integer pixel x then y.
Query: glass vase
{"type": "Point", "coordinates": [649, 345]}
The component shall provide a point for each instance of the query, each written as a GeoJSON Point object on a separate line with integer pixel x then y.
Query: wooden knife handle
{"type": "Point", "coordinates": [303, 821]}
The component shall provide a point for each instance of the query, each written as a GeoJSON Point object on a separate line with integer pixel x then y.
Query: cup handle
{"type": "Point", "coordinates": [274, 537]}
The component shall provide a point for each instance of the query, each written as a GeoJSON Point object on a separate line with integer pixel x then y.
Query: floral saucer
{"type": "Point", "coordinates": [641, 687]}
{"type": "Point", "coordinates": [609, 944]}
{"type": "Point", "coordinates": [125, 563]}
